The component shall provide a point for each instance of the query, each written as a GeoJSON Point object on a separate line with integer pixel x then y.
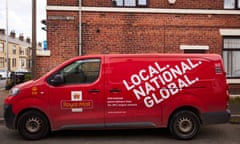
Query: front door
{"type": "Point", "coordinates": [78, 101]}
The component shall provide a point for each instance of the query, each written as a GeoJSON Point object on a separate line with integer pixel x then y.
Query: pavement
{"type": "Point", "coordinates": [234, 106]}
{"type": "Point", "coordinates": [3, 94]}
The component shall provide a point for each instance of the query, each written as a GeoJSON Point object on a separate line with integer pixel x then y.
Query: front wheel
{"type": "Point", "coordinates": [33, 125]}
{"type": "Point", "coordinates": [184, 125]}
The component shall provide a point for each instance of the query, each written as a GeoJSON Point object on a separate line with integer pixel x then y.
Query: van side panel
{"type": "Point", "coordinates": [123, 106]}
{"type": "Point", "coordinates": [158, 85]}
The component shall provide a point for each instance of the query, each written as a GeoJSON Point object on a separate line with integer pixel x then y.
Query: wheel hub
{"type": "Point", "coordinates": [185, 125]}
{"type": "Point", "coordinates": [33, 124]}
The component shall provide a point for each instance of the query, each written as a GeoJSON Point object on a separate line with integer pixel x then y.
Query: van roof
{"type": "Point", "coordinates": [207, 56]}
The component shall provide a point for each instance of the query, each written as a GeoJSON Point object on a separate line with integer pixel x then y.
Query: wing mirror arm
{"type": "Point", "coordinates": [57, 80]}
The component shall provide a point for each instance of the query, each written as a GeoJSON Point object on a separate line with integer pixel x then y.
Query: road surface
{"type": "Point", "coordinates": [212, 134]}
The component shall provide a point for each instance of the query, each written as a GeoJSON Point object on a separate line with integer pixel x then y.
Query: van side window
{"type": "Point", "coordinates": [81, 72]}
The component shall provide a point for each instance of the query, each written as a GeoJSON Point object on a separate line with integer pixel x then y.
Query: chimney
{"type": "Point", "coordinates": [12, 34]}
{"type": "Point", "coordinates": [2, 31]}
{"type": "Point", "coordinates": [21, 37]}
{"type": "Point", "coordinates": [28, 40]}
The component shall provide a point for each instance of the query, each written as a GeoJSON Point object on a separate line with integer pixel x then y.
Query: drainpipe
{"type": "Point", "coordinates": [80, 28]}
{"type": "Point", "coordinates": [7, 61]}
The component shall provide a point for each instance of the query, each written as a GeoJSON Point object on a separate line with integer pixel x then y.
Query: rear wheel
{"type": "Point", "coordinates": [184, 125]}
{"type": "Point", "coordinates": [33, 125]}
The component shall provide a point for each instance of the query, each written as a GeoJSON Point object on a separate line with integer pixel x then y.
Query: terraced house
{"type": "Point", "coordinates": [19, 52]}
{"type": "Point", "coordinates": [81, 27]}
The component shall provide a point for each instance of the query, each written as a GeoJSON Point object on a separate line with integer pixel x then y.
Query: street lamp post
{"type": "Point", "coordinates": [34, 44]}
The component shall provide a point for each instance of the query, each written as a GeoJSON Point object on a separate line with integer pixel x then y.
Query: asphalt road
{"type": "Point", "coordinates": [2, 84]}
{"type": "Point", "coordinates": [214, 134]}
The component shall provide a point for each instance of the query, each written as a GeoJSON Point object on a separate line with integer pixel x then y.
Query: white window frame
{"type": "Point", "coordinates": [2, 62]}
{"type": "Point", "coordinates": [14, 49]}
{"type": "Point", "coordinates": [23, 63]}
{"type": "Point", "coordinates": [230, 49]}
{"type": "Point", "coordinates": [231, 32]}
{"type": "Point", "coordinates": [231, 4]}
{"type": "Point", "coordinates": [1, 47]}
{"type": "Point", "coordinates": [22, 51]}
{"type": "Point", "coordinates": [194, 48]}
{"type": "Point", "coordinates": [131, 3]}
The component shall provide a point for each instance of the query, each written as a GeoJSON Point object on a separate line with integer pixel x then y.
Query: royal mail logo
{"type": "Point", "coordinates": [86, 104]}
{"type": "Point", "coordinates": [77, 104]}
{"type": "Point", "coordinates": [76, 95]}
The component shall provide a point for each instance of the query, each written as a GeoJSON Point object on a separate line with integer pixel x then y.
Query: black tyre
{"type": "Point", "coordinates": [33, 125]}
{"type": "Point", "coordinates": [184, 125]}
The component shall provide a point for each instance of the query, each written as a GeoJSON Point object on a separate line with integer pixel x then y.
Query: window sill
{"type": "Point", "coordinates": [233, 81]}
{"type": "Point", "coordinates": [43, 53]}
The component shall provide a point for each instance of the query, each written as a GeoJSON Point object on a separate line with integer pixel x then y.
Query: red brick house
{"type": "Point", "coordinates": [81, 27]}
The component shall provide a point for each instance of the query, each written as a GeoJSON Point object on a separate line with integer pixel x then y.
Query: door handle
{"type": "Point", "coordinates": [114, 90]}
{"type": "Point", "coordinates": [94, 91]}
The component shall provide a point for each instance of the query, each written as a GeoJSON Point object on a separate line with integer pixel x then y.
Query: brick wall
{"type": "Point", "coordinates": [186, 4]}
{"type": "Point", "coordinates": [63, 2]}
{"type": "Point", "coordinates": [97, 3]}
{"type": "Point", "coordinates": [62, 38]}
{"type": "Point", "coordinates": [144, 33]}
{"type": "Point", "coordinates": [234, 89]}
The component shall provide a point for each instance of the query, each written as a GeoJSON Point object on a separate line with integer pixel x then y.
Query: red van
{"type": "Point", "coordinates": [178, 91]}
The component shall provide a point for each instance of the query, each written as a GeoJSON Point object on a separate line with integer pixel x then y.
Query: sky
{"type": "Point", "coordinates": [20, 17]}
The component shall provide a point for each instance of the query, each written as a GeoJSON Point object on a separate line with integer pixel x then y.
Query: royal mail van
{"type": "Point", "coordinates": [178, 91]}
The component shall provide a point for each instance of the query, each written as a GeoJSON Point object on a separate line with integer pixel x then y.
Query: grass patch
{"type": "Point", "coordinates": [235, 120]}
{"type": "Point", "coordinates": [235, 99]}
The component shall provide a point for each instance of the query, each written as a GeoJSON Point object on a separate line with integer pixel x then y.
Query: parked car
{"type": "Point", "coordinates": [3, 74]}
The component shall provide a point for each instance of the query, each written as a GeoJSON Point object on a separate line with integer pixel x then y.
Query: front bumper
{"type": "Point", "coordinates": [216, 117]}
{"type": "Point", "coordinates": [9, 116]}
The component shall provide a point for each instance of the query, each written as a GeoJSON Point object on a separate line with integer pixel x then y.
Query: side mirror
{"type": "Point", "coordinates": [57, 80]}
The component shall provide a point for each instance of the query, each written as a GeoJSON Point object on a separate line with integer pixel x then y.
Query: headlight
{"type": "Point", "coordinates": [14, 91]}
